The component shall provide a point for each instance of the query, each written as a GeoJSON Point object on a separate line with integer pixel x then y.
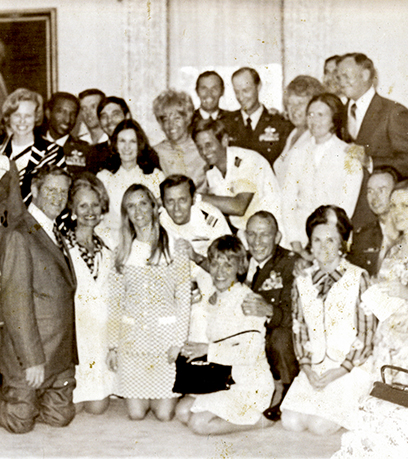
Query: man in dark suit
{"type": "Point", "coordinates": [210, 88]}
{"type": "Point", "coordinates": [254, 127]}
{"type": "Point", "coordinates": [62, 112]}
{"type": "Point", "coordinates": [270, 276]}
{"type": "Point", "coordinates": [372, 241]}
{"type": "Point", "coordinates": [38, 354]}
{"type": "Point", "coordinates": [377, 123]}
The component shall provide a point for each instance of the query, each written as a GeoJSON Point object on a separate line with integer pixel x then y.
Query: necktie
{"type": "Point", "coordinates": [352, 121]}
{"type": "Point", "coordinates": [256, 275]}
{"type": "Point", "coordinates": [249, 124]}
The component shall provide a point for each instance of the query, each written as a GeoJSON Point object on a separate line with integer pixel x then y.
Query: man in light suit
{"type": "Point", "coordinates": [377, 123]}
{"type": "Point", "coordinates": [270, 276]}
{"type": "Point", "coordinates": [254, 127]}
{"type": "Point", "coordinates": [37, 301]}
{"type": "Point", "coordinates": [210, 88]}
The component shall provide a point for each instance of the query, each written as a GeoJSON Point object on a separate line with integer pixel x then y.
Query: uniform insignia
{"type": "Point", "coordinates": [209, 219]}
{"type": "Point", "coordinates": [237, 161]}
{"type": "Point", "coordinates": [372, 250]}
{"type": "Point", "coordinates": [273, 282]}
{"type": "Point", "coordinates": [270, 134]}
{"type": "Point", "coordinates": [76, 158]}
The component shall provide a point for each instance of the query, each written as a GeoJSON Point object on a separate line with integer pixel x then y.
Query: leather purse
{"type": "Point", "coordinates": [202, 377]}
{"type": "Point", "coordinates": [394, 393]}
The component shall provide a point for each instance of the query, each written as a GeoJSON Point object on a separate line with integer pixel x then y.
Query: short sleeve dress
{"type": "Point", "coordinates": [149, 311]}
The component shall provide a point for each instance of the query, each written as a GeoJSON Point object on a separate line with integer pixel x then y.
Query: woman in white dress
{"type": "Point", "coordinates": [296, 98]}
{"type": "Point", "coordinates": [324, 171]}
{"type": "Point", "coordinates": [137, 165]}
{"type": "Point", "coordinates": [333, 331]}
{"type": "Point", "coordinates": [149, 309]}
{"type": "Point", "coordinates": [88, 202]}
{"type": "Point", "coordinates": [241, 407]}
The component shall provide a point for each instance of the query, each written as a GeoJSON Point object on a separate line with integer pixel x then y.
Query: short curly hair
{"type": "Point", "coordinates": [179, 100]}
{"type": "Point", "coordinates": [88, 181]}
{"type": "Point", "coordinates": [13, 100]}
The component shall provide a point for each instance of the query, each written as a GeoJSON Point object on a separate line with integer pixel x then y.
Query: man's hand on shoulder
{"type": "Point", "coordinates": [35, 376]}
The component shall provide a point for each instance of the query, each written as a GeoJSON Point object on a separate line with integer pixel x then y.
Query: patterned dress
{"type": "Point", "coordinates": [149, 311]}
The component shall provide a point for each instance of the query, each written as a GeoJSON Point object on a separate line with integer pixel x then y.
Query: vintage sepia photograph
{"type": "Point", "coordinates": [204, 229]}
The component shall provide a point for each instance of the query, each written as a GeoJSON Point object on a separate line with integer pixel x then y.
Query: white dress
{"type": "Point", "coordinates": [94, 380]}
{"type": "Point", "coordinates": [116, 184]}
{"type": "Point", "coordinates": [251, 394]}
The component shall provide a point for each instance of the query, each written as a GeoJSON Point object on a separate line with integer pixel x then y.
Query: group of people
{"type": "Point", "coordinates": [232, 241]}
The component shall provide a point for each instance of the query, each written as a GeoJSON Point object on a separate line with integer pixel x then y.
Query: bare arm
{"type": "Point", "coordinates": [230, 205]}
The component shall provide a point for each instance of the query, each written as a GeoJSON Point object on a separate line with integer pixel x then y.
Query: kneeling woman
{"type": "Point", "coordinates": [149, 308]}
{"type": "Point", "coordinates": [240, 407]}
{"type": "Point", "coordinates": [333, 331]}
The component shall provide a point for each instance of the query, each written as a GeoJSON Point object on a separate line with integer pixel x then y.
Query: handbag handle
{"type": "Point", "coordinates": [236, 334]}
{"type": "Point", "coordinates": [392, 367]}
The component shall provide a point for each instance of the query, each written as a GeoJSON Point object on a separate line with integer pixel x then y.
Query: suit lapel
{"type": "Point", "coordinates": [371, 119]}
{"type": "Point", "coordinates": [35, 228]}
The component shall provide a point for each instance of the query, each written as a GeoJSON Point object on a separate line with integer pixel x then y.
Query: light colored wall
{"type": "Point", "coordinates": [90, 42]}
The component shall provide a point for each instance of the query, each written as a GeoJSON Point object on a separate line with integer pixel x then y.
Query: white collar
{"type": "Point", "coordinates": [364, 101]}
{"type": "Point", "coordinates": [205, 115]}
{"type": "Point", "coordinates": [46, 223]}
{"type": "Point", "coordinates": [61, 141]}
{"type": "Point", "coordinates": [255, 117]}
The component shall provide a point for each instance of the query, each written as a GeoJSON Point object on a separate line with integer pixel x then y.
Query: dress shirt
{"type": "Point", "coordinates": [362, 105]}
{"type": "Point", "coordinates": [255, 117]}
{"type": "Point", "coordinates": [205, 115]}
{"type": "Point", "coordinates": [61, 141]}
{"type": "Point", "coordinates": [253, 265]}
{"type": "Point", "coordinates": [46, 224]}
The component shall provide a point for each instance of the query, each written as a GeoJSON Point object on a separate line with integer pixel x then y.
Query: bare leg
{"type": "Point", "coordinates": [183, 413]}
{"type": "Point", "coordinates": [164, 409]}
{"type": "Point", "coordinates": [294, 421]}
{"type": "Point", "coordinates": [97, 406]}
{"type": "Point", "coordinates": [321, 426]}
{"type": "Point", "coordinates": [207, 423]}
{"type": "Point", "coordinates": [137, 408]}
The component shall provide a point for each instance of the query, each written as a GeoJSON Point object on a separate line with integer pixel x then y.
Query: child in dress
{"type": "Point", "coordinates": [240, 407]}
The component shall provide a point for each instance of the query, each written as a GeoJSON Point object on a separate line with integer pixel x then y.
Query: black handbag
{"type": "Point", "coordinates": [202, 377]}
{"type": "Point", "coordinates": [394, 393]}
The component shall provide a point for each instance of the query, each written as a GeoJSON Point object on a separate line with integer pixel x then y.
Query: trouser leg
{"type": "Point", "coordinates": [55, 403]}
{"type": "Point", "coordinates": [18, 409]}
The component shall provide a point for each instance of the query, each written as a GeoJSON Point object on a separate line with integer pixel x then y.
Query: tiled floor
{"type": "Point", "coordinates": [114, 435]}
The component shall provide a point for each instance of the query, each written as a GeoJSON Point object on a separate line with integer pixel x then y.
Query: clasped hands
{"type": "Point", "coordinates": [320, 382]}
{"type": "Point", "coordinates": [192, 351]}
{"type": "Point", "coordinates": [255, 305]}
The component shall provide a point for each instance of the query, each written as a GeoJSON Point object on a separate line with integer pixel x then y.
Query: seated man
{"type": "Point", "coordinates": [89, 101]}
{"type": "Point", "coordinates": [240, 182]}
{"type": "Point", "coordinates": [184, 218]}
{"type": "Point", "coordinates": [270, 276]}
{"type": "Point", "coordinates": [62, 112]}
{"type": "Point", "coordinates": [210, 88]}
{"type": "Point", "coordinates": [253, 126]}
{"type": "Point", "coordinates": [372, 241]}
{"type": "Point", "coordinates": [37, 301]}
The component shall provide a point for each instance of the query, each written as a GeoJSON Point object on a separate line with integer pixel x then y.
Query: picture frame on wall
{"type": "Point", "coordinates": [28, 52]}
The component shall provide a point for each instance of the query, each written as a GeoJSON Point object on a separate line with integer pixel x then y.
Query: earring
{"type": "Point", "coordinates": [73, 217]}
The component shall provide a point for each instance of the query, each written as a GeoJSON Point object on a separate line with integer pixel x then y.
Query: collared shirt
{"type": "Point", "coordinates": [253, 266]}
{"type": "Point", "coordinates": [247, 172]}
{"type": "Point", "coordinates": [205, 115]}
{"type": "Point", "coordinates": [86, 137]}
{"type": "Point", "coordinates": [46, 224]}
{"type": "Point", "coordinates": [362, 106]}
{"type": "Point", "coordinates": [61, 141]}
{"type": "Point", "coordinates": [255, 117]}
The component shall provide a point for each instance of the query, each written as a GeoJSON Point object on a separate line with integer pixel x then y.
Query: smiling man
{"type": "Point", "coordinates": [37, 296]}
{"type": "Point", "coordinates": [270, 276]}
{"type": "Point", "coordinates": [62, 112]}
{"type": "Point", "coordinates": [253, 126]}
{"type": "Point", "coordinates": [210, 89]}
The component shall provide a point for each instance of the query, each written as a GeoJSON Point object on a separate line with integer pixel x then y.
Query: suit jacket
{"type": "Point", "coordinates": [268, 138]}
{"type": "Point", "coordinates": [274, 283]}
{"type": "Point", "coordinates": [222, 114]}
{"type": "Point", "coordinates": [37, 299]}
{"type": "Point", "coordinates": [366, 247]}
{"type": "Point", "coordinates": [102, 157]}
{"type": "Point", "coordinates": [384, 133]}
